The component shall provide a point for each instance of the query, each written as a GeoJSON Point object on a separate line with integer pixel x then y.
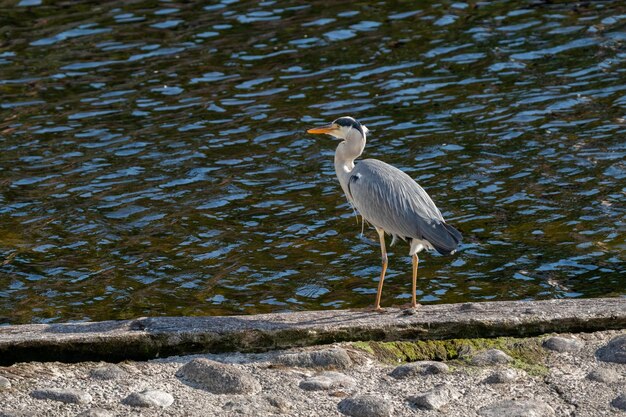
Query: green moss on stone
{"type": "Point", "coordinates": [527, 353]}
{"type": "Point", "coordinates": [364, 346]}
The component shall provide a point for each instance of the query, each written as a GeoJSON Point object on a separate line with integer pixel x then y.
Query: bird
{"type": "Point", "coordinates": [388, 199]}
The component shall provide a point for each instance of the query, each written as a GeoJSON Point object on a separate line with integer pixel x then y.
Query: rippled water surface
{"type": "Point", "coordinates": [154, 161]}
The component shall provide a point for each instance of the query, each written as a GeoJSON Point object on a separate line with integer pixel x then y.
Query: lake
{"type": "Point", "coordinates": [154, 159]}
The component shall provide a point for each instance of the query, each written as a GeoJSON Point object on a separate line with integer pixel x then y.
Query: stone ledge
{"type": "Point", "coordinates": [153, 337]}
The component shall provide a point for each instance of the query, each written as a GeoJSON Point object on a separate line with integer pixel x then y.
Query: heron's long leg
{"type": "Point", "coordinates": [383, 251]}
{"type": "Point", "coordinates": [414, 287]}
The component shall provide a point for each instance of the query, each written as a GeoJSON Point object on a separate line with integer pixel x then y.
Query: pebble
{"type": "Point", "coordinates": [534, 408]}
{"type": "Point", "coordinates": [471, 307]}
{"type": "Point", "coordinates": [409, 311]}
{"type": "Point", "coordinates": [218, 378]}
{"type": "Point", "coordinates": [490, 357]}
{"type": "Point", "coordinates": [331, 358]}
{"type": "Point", "coordinates": [108, 371]}
{"type": "Point", "coordinates": [282, 404]}
{"type": "Point", "coordinates": [149, 398]}
{"type": "Point", "coordinates": [243, 406]}
{"type": "Point", "coordinates": [258, 406]}
{"type": "Point", "coordinates": [327, 381]}
{"type": "Point", "coordinates": [563, 344]}
{"type": "Point", "coordinates": [608, 376]}
{"type": "Point", "coordinates": [502, 376]}
{"type": "Point", "coordinates": [435, 398]}
{"type": "Point", "coordinates": [66, 395]}
{"type": "Point", "coordinates": [4, 383]}
{"type": "Point", "coordinates": [365, 406]}
{"type": "Point", "coordinates": [619, 402]}
{"type": "Point", "coordinates": [614, 351]}
{"type": "Point", "coordinates": [95, 412]}
{"type": "Point", "coordinates": [419, 368]}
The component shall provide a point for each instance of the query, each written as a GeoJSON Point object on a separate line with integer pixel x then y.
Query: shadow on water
{"type": "Point", "coordinates": [154, 160]}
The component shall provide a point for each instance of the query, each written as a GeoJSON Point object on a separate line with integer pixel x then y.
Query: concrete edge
{"type": "Point", "coordinates": [147, 338]}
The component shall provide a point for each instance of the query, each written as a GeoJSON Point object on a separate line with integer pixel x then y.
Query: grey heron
{"type": "Point", "coordinates": [388, 199]}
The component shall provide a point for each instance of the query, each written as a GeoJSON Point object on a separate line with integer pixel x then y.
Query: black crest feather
{"type": "Point", "coordinates": [349, 121]}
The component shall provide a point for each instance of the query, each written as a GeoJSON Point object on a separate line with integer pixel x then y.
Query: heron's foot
{"type": "Point", "coordinates": [376, 309]}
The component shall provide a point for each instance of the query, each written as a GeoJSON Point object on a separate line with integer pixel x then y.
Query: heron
{"type": "Point", "coordinates": [388, 199]}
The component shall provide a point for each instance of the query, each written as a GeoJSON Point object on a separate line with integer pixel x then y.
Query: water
{"type": "Point", "coordinates": [154, 160]}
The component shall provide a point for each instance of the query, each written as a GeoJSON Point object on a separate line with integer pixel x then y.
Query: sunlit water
{"type": "Point", "coordinates": [154, 161]}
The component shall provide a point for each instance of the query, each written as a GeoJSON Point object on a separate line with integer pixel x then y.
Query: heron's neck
{"type": "Point", "coordinates": [347, 151]}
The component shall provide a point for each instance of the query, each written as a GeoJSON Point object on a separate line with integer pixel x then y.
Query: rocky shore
{"type": "Point", "coordinates": [507, 358]}
{"type": "Point", "coordinates": [570, 374]}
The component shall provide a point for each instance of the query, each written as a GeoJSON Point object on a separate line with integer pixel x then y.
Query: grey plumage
{"type": "Point", "coordinates": [388, 199]}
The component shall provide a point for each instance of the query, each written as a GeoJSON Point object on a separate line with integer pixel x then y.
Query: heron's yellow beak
{"type": "Point", "coordinates": [323, 129]}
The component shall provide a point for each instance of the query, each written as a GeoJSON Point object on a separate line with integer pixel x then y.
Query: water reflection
{"type": "Point", "coordinates": [154, 162]}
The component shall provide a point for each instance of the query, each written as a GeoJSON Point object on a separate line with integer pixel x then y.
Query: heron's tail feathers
{"type": "Point", "coordinates": [448, 240]}
{"type": "Point", "coordinates": [454, 232]}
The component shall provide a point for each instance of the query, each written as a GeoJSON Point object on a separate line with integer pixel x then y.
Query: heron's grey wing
{"type": "Point", "coordinates": [390, 199]}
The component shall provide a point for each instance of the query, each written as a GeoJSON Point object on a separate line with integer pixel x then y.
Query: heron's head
{"type": "Point", "coordinates": [341, 128]}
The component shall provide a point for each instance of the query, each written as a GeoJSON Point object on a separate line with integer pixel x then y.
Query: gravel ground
{"type": "Point", "coordinates": [582, 375]}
